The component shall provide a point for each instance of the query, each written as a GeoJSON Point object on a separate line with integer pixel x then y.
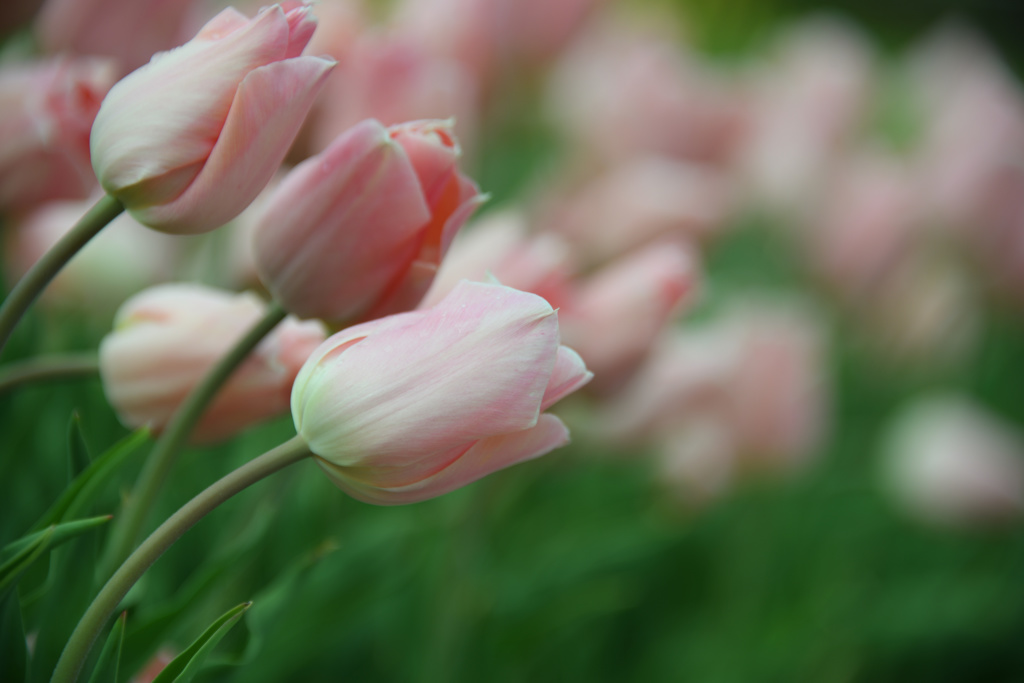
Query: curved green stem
{"type": "Point", "coordinates": [46, 268]}
{"type": "Point", "coordinates": [89, 626]}
{"type": "Point", "coordinates": [128, 525]}
{"type": "Point", "coordinates": [59, 366]}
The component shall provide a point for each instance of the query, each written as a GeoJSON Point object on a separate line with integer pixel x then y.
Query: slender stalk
{"type": "Point", "coordinates": [128, 526]}
{"type": "Point", "coordinates": [59, 366]}
{"type": "Point", "coordinates": [45, 269]}
{"type": "Point", "coordinates": [102, 608]}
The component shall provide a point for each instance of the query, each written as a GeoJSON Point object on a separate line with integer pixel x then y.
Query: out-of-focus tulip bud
{"type": "Point", "coordinates": [974, 125]}
{"type": "Point", "coordinates": [120, 261]}
{"type": "Point", "coordinates": [167, 338]}
{"type": "Point", "coordinates": [777, 399]}
{"type": "Point", "coordinates": [490, 36]}
{"type": "Point", "coordinates": [411, 406]}
{"type": "Point", "coordinates": [806, 107]}
{"type": "Point", "coordinates": [46, 112]}
{"type": "Point", "coordinates": [497, 247]}
{"type": "Point", "coordinates": [358, 231]}
{"type": "Point", "coordinates": [617, 314]}
{"type": "Point", "coordinates": [950, 462]}
{"type": "Point", "coordinates": [187, 141]}
{"type": "Point", "coordinates": [638, 202]}
{"type": "Point", "coordinates": [687, 372]}
{"type": "Point", "coordinates": [127, 30]}
{"type": "Point", "coordinates": [393, 80]}
{"type": "Point", "coordinates": [866, 226]}
{"type": "Point", "coordinates": [623, 93]}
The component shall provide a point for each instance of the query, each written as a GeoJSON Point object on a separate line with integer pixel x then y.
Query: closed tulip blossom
{"type": "Point", "coordinates": [187, 141]}
{"type": "Point", "coordinates": [46, 112]}
{"type": "Point", "coordinates": [167, 338]}
{"type": "Point", "coordinates": [128, 30]}
{"type": "Point", "coordinates": [615, 316]}
{"type": "Point", "coordinates": [411, 406]}
{"type": "Point", "coordinates": [498, 247]}
{"type": "Point", "coordinates": [358, 231]}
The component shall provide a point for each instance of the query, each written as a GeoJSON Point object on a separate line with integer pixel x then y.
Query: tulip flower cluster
{"type": "Point", "coordinates": [280, 207]}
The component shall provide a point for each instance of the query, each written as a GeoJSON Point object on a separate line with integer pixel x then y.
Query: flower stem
{"type": "Point", "coordinates": [45, 269]}
{"type": "Point", "coordinates": [92, 622]}
{"type": "Point", "coordinates": [58, 366]}
{"type": "Point", "coordinates": [128, 526]}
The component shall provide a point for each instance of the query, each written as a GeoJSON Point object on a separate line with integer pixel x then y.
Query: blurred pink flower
{"type": "Point", "coordinates": [391, 79]}
{"type": "Point", "coordinates": [639, 201]}
{"type": "Point", "coordinates": [46, 112]}
{"type": "Point", "coordinates": [411, 406]}
{"type": "Point", "coordinates": [950, 462]}
{"type": "Point", "coordinates": [358, 231]}
{"type": "Point", "coordinates": [167, 338]}
{"type": "Point", "coordinates": [806, 105]}
{"type": "Point", "coordinates": [498, 247]}
{"type": "Point", "coordinates": [620, 93]}
{"type": "Point", "coordinates": [493, 37]}
{"type": "Point", "coordinates": [614, 317]}
{"type": "Point", "coordinates": [130, 31]}
{"type": "Point", "coordinates": [187, 141]}
{"type": "Point", "coordinates": [123, 259]}
{"type": "Point", "coordinates": [868, 222]}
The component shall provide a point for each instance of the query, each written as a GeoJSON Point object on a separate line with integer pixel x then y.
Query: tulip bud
{"type": "Point", "coordinates": [46, 111]}
{"type": "Point", "coordinates": [408, 407]}
{"type": "Point", "coordinates": [128, 30]}
{"type": "Point", "coordinates": [120, 261]}
{"type": "Point", "coordinates": [499, 248]}
{"type": "Point", "coordinates": [950, 462]}
{"type": "Point", "coordinates": [167, 338]}
{"type": "Point", "coordinates": [616, 315]}
{"type": "Point", "coordinates": [358, 231]}
{"type": "Point", "coordinates": [187, 141]}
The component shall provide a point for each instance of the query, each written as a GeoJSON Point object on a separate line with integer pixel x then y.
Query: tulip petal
{"type": "Point", "coordinates": [570, 374]}
{"type": "Point", "coordinates": [362, 179]}
{"type": "Point", "coordinates": [146, 129]}
{"type": "Point", "coordinates": [474, 366]}
{"type": "Point", "coordinates": [269, 107]}
{"type": "Point", "coordinates": [484, 457]}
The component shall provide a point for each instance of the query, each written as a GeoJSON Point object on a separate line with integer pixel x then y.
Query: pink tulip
{"type": "Point", "coordinates": [490, 36]}
{"type": "Point", "coordinates": [409, 407]}
{"type": "Point", "coordinates": [868, 223]}
{"type": "Point", "coordinates": [498, 247]}
{"type": "Point", "coordinates": [127, 30]}
{"type": "Point", "coordinates": [617, 314]}
{"type": "Point", "coordinates": [776, 398]}
{"type": "Point", "coordinates": [639, 201]}
{"type": "Point", "coordinates": [393, 80]}
{"type": "Point", "coordinates": [807, 106]}
{"type": "Point", "coordinates": [187, 141]}
{"type": "Point", "coordinates": [123, 259]}
{"type": "Point", "coordinates": [167, 338]}
{"type": "Point", "coordinates": [358, 231]}
{"type": "Point", "coordinates": [46, 112]}
{"type": "Point", "coordinates": [622, 92]}
{"type": "Point", "coordinates": [950, 462]}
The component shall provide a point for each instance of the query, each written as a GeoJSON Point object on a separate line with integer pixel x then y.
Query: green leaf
{"type": "Point", "coordinates": [188, 663]}
{"type": "Point", "coordinates": [106, 670]}
{"type": "Point", "coordinates": [58, 534]}
{"type": "Point", "coordinates": [13, 646]}
{"type": "Point", "coordinates": [78, 451]}
{"type": "Point", "coordinates": [81, 490]}
{"type": "Point", "coordinates": [12, 569]}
